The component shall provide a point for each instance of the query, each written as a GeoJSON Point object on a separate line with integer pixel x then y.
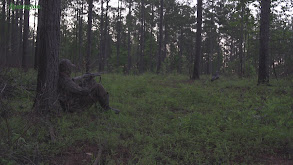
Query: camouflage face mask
{"type": "Point", "coordinates": [65, 66]}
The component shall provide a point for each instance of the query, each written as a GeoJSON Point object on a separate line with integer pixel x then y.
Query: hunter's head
{"type": "Point", "coordinates": [65, 66]}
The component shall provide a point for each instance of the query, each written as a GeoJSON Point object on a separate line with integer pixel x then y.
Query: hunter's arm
{"type": "Point", "coordinates": [77, 79]}
{"type": "Point", "coordinates": [73, 87]}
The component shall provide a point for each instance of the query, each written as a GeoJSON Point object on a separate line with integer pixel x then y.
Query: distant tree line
{"type": "Point", "coordinates": [137, 36]}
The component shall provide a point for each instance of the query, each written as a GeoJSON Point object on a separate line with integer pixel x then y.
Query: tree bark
{"type": "Point", "coordinates": [160, 37]}
{"type": "Point", "coordinates": [141, 45]}
{"type": "Point", "coordinates": [36, 63]}
{"type": "Point", "coordinates": [241, 39]}
{"type": "Point", "coordinates": [118, 34]}
{"type": "Point", "coordinates": [3, 34]}
{"type": "Point", "coordinates": [102, 42]}
{"type": "Point", "coordinates": [196, 70]}
{"type": "Point", "coordinates": [34, 31]}
{"type": "Point", "coordinates": [13, 40]}
{"type": "Point", "coordinates": [25, 37]}
{"type": "Point", "coordinates": [80, 36]}
{"type": "Point", "coordinates": [151, 37]}
{"type": "Point", "coordinates": [8, 36]}
{"type": "Point", "coordinates": [219, 55]}
{"type": "Point", "coordinates": [209, 53]}
{"type": "Point", "coordinates": [18, 35]}
{"type": "Point", "coordinates": [49, 41]}
{"type": "Point", "coordinates": [106, 37]}
{"type": "Point", "coordinates": [180, 51]}
{"type": "Point", "coordinates": [89, 37]}
{"type": "Point", "coordinates": [129, 37]}
{"type": "Point", "coordinates": [263, 72]}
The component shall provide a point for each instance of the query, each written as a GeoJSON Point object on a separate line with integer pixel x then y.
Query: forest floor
{"type": "Point", "coordinates": [164, 119]}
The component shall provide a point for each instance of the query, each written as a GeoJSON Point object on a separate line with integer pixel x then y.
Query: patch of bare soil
{"type": "Point", "coordinates": [80, 154]}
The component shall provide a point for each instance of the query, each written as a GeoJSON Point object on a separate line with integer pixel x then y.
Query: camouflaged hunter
{"type": "Point", "coordinates": [80, 92]}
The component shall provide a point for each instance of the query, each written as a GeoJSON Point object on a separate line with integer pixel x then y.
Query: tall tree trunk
{"type": "Point", "coordinates": [89, 37]}
{"type": "Point", "coordinates": [13, 56]}
{"type": "Point", "coordinates": [263, 72]}
{"type": "Point", "coordinates": [219, 55]}
{"type": "Point", "coordinates": [180, 51]}
{"type": "Point", "coordinates": [3, 34]}
{"type": "Point", "coordinates": [8, 36]}
{"type": "Point", "coordinates": [106, 37]}
{"type": "Point", "coordinates": [25, 36]}
{"type": "Point", "coordinates": [209, 54]}
{"type": "Point", "coordinates": [80, 36]}
{"type": "Point", "coordinates": [34, 31]}
{"type": "Point", "coordinates": [129, 37]}
{"type": "Point", "coordinates": [76, 35]}
{"type": "Point", "coordinates": [232, 50]}
{"type": "Point", "coordinates": [160, 37]}
{"type": "Point", "coordinates": [118, 34]}
{"type": "Point", "coordinates": [212, 39]}
{"type": "Point", "coordinates": [37, 59]}
{"type": "Point", "coordinates": [197, 58]}
{"type": "Point", "coordinates": [102, 41]}
{"type": "Point", "coordinates": [241, 39]}
{"type": "Point", "coordinates": [151, 37]}
{"type": "Point", "coordinates": [49, 41]}
{"type": "Point", "coordinates": [18, 37]}
{"type": "Point", "coordinates": [165, 39]}
{"type": "Point", "coordinates": [141, 63]}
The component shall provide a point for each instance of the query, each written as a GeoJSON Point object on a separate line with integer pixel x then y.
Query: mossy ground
{"type": "Point", "coordinates": [164, 119]}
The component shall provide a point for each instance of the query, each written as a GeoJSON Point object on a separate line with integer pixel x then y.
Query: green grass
{"type": "Point", "coordinates": [164, 119]}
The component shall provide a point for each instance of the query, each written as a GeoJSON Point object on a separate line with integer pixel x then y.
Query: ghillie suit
{"type": "Point", "coordinates": [80, 92]}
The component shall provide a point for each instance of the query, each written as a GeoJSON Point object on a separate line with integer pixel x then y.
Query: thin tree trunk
{"type": "Point", "coordinates": [180, 51]}
{"type": "Point", "coordinates": [89, 37]}
{"type": "Point", "coordinates": [106, 37]}
{"type": "Point", "coordinates": [49, 41]}
{"type": "Point", "coordinates": [80, 36]}
{"type": "Point", "coordinates": [25, 36]}
{"type": "Point", "coordinates": [209, 54]}
{"type": "Point", "coordinates": [102, 41]}
{"type": "Point", "coordinates": [141, 63]}
{"type": "Point", "coordinates": [245, 46]}
{"type": "Point", "coordinates": [219, 55]}
{"type": "Point", "coordinates": [76, 36]}
{"type": "Point", "coordinates": [151, 37]}
{"type": "Point", "coordinates": [196, 71]}
{"type": "Point", "coordinates": [13, 40]}
{"type": "Point", "coordinates": [36, 65]}
{"type": "Point", "coordinates": [241, 39]}
{"type": "Point", "coordinates": [212, 39]}
{"type": "Point", "coordinates": [129, 37]}
{"type": "Point", "coordinates": [263, 73]}
{"type": "Point", "coordinates": [160, 37]}
{"type": "Point", "coordinates": [3, 34]}
{"type": "Point", "coordinates": [8, 36]}
{"type": "Point", "coordinates": [18, 36]}
{"type": "Point", "coordinates": [34, 31]}
{"type": "Point", "coordinates": [232, 50]}
{"type": "Point", "coordinates": [118, 34]}
{"type": "Point", "coordinates": [165, 39]}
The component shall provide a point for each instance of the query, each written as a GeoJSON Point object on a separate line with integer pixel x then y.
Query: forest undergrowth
{"type": "Point", "coordinates": [164, 119]}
